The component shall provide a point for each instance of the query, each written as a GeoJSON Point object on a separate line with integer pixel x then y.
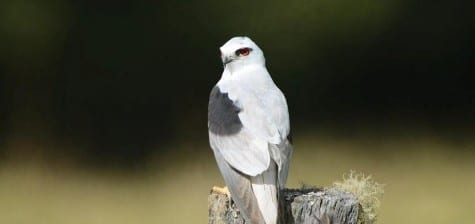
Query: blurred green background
{"type": "Point", "coordinates": [103, 103]}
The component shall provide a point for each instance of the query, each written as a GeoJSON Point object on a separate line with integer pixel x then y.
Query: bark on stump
{"type": "Point", "coordinates": [299, 206]}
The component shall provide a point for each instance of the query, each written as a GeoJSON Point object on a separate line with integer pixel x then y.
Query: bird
{"type": "Point", "coordinates": [249, 131]}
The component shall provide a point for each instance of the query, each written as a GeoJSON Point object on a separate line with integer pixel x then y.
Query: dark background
{"type": "Point", "coordinates": [109, 83]}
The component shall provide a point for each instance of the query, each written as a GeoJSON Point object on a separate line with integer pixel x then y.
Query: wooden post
{"type": "Point", "coordinates": [302, 206]}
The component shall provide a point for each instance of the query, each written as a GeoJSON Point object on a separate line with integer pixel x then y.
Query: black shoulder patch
{"type": "Point", "coordinates": [223, 116]}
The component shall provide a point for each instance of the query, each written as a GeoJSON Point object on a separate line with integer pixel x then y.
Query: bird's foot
{"type": "Point", "coordinates": [221, 190]}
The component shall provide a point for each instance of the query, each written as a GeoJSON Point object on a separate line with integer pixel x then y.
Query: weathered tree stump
{"type": "Point", "coordinates": [299, 206]}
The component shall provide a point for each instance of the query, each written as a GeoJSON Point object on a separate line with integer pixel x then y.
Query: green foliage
{"type": "Point", "coordinates": [366, 190]}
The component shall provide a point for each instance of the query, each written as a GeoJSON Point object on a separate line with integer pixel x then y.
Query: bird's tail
{"type": "Point", "coordinates": [265, 190]}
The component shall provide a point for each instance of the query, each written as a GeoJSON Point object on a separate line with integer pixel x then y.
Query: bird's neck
{"type": "Point", "coordinates": [249, 75]}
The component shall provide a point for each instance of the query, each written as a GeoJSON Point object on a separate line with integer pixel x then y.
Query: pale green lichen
{"type": "Point", "coordinates": [366, 190]}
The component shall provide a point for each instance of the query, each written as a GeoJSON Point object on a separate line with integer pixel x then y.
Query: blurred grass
{"type": "Point", "coordinates": [426, 181]}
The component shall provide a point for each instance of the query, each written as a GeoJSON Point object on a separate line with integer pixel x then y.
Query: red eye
{"type": "Point", "coordinates": [243, 51]}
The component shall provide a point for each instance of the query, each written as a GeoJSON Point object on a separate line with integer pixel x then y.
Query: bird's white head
{"type": "Point", "coordinates": [241, 51]}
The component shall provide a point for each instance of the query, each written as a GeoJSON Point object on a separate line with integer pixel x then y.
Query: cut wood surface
{"type": "Point", "coordinates": [299, 206]}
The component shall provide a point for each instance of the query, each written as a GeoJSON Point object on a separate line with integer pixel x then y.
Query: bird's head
{"type": "Point", "coordinates": [240, 51]}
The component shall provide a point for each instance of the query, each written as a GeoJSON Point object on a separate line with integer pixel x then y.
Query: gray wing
{"type": "Point", "coordinates": [281, 154]}
{"type": "Point", "coordinates": [253, 168]}
{"type": "Point", "coordinates": [238, 146]}
{"type": "Point", "coordinates": [241, 189]}
{"type": "Point", "coordinates": [243, 159]}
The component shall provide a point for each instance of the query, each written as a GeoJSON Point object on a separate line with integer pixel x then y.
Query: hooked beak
{"type": "Point", "coordinates": [226, 60]}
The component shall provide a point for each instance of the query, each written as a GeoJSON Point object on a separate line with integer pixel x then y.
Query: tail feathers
{"type": "Point", "coordinates": [241, 191]}
{"type": "Point", "coordinates": [265, 190]}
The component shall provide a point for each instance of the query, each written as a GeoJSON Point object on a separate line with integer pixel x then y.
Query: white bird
{"type": "Point", "coordinates": [249, 131]}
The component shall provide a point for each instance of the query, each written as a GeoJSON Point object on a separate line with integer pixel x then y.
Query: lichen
{"type": "Point", "coordinates": [366, 190]}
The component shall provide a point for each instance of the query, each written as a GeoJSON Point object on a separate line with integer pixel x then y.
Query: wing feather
{"type": "Point", "coordinates": [281, 154]}
{"type": "Point", "coordinates": [241, 190]}
{"type": "Point", "coordinates": [244, 153]}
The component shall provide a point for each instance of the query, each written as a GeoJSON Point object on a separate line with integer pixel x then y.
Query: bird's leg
{"type": "Point", "coordinates": [221, 190]}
